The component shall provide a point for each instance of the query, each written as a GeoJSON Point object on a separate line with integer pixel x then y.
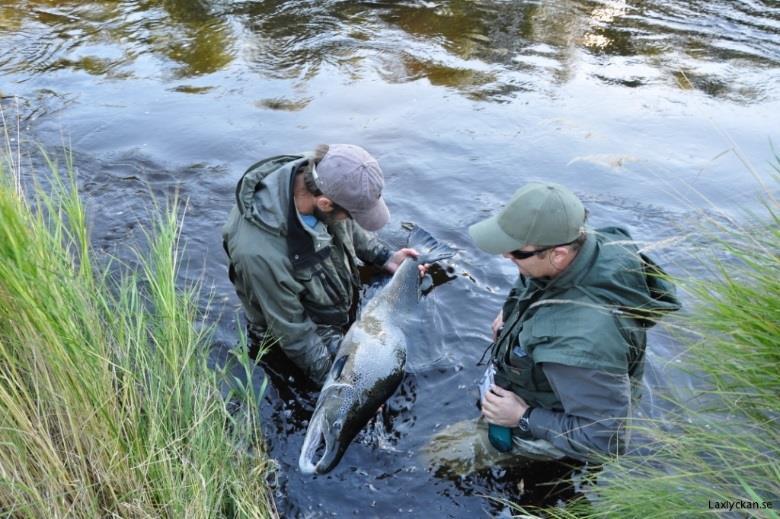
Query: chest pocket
{"type": "Point", "coordinates": [516, 367]}
{"type": "Point", "coordinates": [322, 298]}
{"type": "Point", "coordinates": [526, 377]}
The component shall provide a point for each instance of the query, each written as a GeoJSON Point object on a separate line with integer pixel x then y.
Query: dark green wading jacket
{"type": "Point", "coordinates": [297, 284]}
{"type": "Point", "coordinates": [573, 347]}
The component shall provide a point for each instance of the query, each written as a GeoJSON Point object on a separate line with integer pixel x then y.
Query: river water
{"type": "Point", "coordinates": [651, 110]}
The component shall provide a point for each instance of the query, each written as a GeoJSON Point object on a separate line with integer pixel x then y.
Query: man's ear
{"type": "Point", "coordinates": [324, 203]}
{"type": "Point", "coordinates": [559, 255]}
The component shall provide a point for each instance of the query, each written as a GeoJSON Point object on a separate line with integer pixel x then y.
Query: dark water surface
{"type": "Point", "coordinates": [648, 109]}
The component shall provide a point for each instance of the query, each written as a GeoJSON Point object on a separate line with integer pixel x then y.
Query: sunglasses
{"type": "Point", "coordinates": [525, 254]}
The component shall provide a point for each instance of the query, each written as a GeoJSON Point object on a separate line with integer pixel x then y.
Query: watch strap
{"type": "Point", "coordinates": [523, 423]}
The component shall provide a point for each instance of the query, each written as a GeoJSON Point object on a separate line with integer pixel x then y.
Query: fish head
{"type": "Point", "coordinates": [330, 431]}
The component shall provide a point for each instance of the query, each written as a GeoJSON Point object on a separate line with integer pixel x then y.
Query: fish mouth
{"type": "Point", "coordinates": [319, 439]}
{"type": "Point", "coordinates": [311, 443]}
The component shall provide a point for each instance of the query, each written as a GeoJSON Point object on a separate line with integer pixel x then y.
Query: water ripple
{"type": "Point", "coordinates": [485, 49]}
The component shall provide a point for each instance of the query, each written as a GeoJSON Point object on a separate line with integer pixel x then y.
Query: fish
{"type": "Point", "coordinates": [370, 362]}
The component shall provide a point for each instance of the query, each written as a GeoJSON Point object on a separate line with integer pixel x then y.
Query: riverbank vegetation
{"type": "Point", "coordinates": [108, 408]}
{"type": "Point", "coordinates": [718, 450]}
{"type": "Point", "coordinates": [107, 405]}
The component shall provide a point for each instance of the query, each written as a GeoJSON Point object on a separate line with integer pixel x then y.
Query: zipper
{"type": "Point", "coordinates": [330, 288]}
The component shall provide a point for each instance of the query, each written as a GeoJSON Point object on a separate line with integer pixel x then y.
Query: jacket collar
{"type": "Point", "coordinates": [576, 270]}
{"type": "Point", "coordinates": [264, 196]}
{"type": "Point", "coordinates": [300, 244]}
{"type": "Point", "coordinates": [262, 192]}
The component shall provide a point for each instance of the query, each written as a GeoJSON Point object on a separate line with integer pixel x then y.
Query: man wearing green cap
{"type": "Point", "coordinates": [569, 343]}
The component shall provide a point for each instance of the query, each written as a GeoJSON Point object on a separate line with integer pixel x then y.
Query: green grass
{"type": "Point", "coordinates": [722, 442]}
{"type": "Point", "coordinates": [107, 406]}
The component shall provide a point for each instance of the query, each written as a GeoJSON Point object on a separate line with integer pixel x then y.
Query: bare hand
{"type": "Point", "coordinates": [502, 407]}
{"type": "Point", "coordinates": [498, 323]}
{"type": "Point", "coordinates": [398, 257]}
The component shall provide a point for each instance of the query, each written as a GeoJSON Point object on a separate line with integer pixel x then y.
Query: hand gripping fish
{"type": "Point", "coordinates": [370, 362]}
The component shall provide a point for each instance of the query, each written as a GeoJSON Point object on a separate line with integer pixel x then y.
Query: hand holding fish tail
{"type": "Point", "coordinates": [398, 257]}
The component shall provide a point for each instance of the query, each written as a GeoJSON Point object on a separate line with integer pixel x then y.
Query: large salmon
{"type": "Point", "coordinates": [369, 364]}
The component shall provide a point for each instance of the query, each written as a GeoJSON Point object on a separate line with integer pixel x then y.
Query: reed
{"type": "Point", "coordinates": [107, 405]}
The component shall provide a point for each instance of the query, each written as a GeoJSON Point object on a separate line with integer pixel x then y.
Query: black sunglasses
{"type": "Point", "coordinates": [525, 254]}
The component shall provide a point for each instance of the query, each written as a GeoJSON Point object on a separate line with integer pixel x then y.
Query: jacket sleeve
{"type": "Point", "coordinates": [368, 247]}
{"type": "Point", "coordinates": [277, 295]}
{"type": "Point", "coordinates": [596, 405]}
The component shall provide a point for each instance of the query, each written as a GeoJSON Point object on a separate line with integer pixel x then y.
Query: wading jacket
{"type": "Point", "coordinates": [297, 284]}
{"type": "Point", "coordinates": [573, 346]}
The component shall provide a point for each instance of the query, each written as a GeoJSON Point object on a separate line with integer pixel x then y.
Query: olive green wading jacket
{"type": "Point", "coordinates": [573, 346]}
{"type": "Point", "coordinates": [297, 284]}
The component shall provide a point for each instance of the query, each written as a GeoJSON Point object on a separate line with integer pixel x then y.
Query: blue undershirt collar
{"type": "Point", "coordinates": [310, 220]}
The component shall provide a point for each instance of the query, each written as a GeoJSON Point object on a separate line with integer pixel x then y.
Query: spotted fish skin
{"type": "Point", "coordinates": [369, 364]}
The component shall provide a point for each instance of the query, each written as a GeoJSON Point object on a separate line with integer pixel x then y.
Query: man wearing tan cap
{"type": "Point", "coordinates": [568, 347]}
{"type": "Point", "coordinates": [295, 238]}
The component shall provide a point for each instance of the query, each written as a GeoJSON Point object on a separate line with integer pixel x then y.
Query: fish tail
{"type": "Point", "coordinates": [430, 249]}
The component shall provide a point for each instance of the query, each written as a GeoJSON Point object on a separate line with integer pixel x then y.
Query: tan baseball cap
{"type": "Point", "coordinates": [352, 178]}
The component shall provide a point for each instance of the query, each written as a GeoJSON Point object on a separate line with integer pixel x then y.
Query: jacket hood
{"type": "Point", "coordinates": [629, 281]}
{"type": "Point", "coordinates": [264, 197]}
{"type": "Point", "coordinates": [264, 193]}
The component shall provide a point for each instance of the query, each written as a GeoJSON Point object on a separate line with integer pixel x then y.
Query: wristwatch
{"type": "Point", "coordinates": [523, 424]}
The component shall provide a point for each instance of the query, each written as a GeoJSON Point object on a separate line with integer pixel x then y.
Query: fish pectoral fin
{"type": "Point", "coordinates": [338, 367]}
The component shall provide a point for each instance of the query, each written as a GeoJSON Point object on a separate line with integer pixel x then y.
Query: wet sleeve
{"type": "Point", "coordinates": [369, 248]}
{"type": "Point", "coordinates": [278, 297]}
{"type": "Point", "coordinates": [596, 405]}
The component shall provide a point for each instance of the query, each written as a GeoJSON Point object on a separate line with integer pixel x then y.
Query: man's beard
{"type": "Point", "coordinates": [326, 218]}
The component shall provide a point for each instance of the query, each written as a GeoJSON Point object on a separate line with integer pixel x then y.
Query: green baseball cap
{"type": "Point", "coordinates": [539, 214]}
